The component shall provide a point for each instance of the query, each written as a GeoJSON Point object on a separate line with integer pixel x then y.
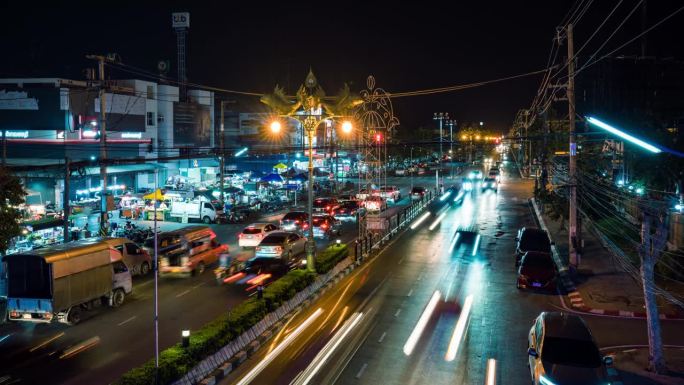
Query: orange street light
{"type": "Point", "coordinates": [347, 127]}
{"type": "Point", "coordinates": [276, 126]}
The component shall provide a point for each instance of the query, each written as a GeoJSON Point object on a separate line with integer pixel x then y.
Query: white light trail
{"type": "Point", "coordinates": [624, 135]}
{"type": "Point", "coordinates": [436, 222]}
{"type": "Point", "coordinates": [286, 342]}
{"type": "Point", "coordinates": [422, 322]}
{"type": "Point", "coordinates": [460, 329]}
{"type": "Point", "coordinates": [445, 196]}
{"type": "Point", "coordinates": [453, 243]}
{"type": "Point", "coordinates": [490, 379]}
{"type": "Point", "coordinates": [324, 355]}
{"type": "Point", "coordinates": [420, 220]}
{"type": "Point", "coordinates": [477, 244]}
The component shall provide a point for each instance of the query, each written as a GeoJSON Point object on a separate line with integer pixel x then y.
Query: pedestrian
{"type": "Point", "coordinates": [260, 291]}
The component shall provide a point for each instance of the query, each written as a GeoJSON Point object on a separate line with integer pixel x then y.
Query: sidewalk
{"type": "Point", "coordinates": [598, 285]}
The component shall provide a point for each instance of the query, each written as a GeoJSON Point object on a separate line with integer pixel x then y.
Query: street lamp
{"type": "Point", "coordinates": [276, 127]}
{"type": "Point", "coordinates": [310, 110]}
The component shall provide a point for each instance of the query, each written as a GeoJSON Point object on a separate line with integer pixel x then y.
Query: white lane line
{"type": "Point", "coordinates": [275, 352]}
{"type": "Point", "coordinates": [484, 319]}
{"type": "Point", "coordinates": [360, 373]}
{"type": "Point", "coordinates": [382, 337]}
{"type": "Point", "coordinates": [198, 285]}
{"type": "Point", "coordinates": [126, 321]}
{"type": "Point", "coordinates": [401, 260]}
{"type": "Point", "coordinates": [409, 293]}
{"type": "Point", "coordinates": [397, 313]}
{"type": "Point", "coordinates": [182, 294]}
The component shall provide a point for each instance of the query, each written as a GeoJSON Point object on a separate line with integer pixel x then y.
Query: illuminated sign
{"type": "Point", "coordinates": [17, 134]}
{"type": "Point", "coordinates": [131, 135]}
{"type": "Point", "coordinates": [89, 133]}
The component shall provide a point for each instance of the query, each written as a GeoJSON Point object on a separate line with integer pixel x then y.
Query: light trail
{"type": "Point", "coordinates": [460, 329]}
{"type": "Point", "coordinates": [453, 242]}
{"type": "Point", "coordinates": [324, 355]}
{"type": "Point", "coordinates": [445, 196]}
{"type": "Point", "coordinates": [420, 220]}
{"type": "Point", "coordinates": [40, 345]}
{"type": "Point", "coordinates": [436, 222]}
{"type": "Point", "coordinates": [422, 323]}
{"type": "Point", "coordinates": [490, 378]}
{"type": "Point", "coordinates": [275, 352]}
{"type": "Point", "coordinates": [87, 344]}
{"type": "Point", "coordinates": [339, 320]}
{"type": "Point", "coordinates": [477, 244]}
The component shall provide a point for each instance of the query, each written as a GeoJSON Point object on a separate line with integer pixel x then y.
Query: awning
{"type": "Point", "coordinates": [280, 166]}
{"type": "Point", "coordinates": [157, 195]}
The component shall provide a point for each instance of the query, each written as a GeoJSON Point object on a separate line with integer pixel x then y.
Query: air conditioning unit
{"type": "Point", "coordinates": [160, 118]}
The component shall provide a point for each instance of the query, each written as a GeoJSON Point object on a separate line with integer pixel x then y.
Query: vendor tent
{"type": "Point", "coordinates": [272, 178]}
{"type": "Point", "coordinates": [157, 195]}
{"type": "Point", "coordinates": [280, 167]}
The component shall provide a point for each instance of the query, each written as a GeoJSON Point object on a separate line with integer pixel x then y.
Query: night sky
{"type": "Point", "coordinates": [406, 46]}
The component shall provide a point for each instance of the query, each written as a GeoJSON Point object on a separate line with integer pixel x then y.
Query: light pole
{"type": "Point", "coordinates": [310, 111]}
{"type": "Point", "coordinates": [441, 116]}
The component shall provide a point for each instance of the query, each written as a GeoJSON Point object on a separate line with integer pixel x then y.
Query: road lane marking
{"type": "Point", "coordinates": [490, 378]}
{"type": "Point", "coordinates": [282, 346]}
{"type": "Point", "coordinates": [397, 313]}
{"type": "Point", "coordinates": [183, 293]}
{"type": "Point", "coordinates": [401, 260]}
{"type": "Point", "coordinates": [5, 337]}
{"type": "Point", "coordinates": [198, 285]}
{"type": "Point", "coordinates": [40, 345]}
{"type": "Point", "coordinates": [382, 337]}
{"type": "Point", "coordinates": [363, 369]}
{"type": "Point", "coordinates": [409, 293]}
{"type": "Point", "coordinates": [460, 329]}
{"type": "Point", "coordinates": [422, 323]}
{"type": "Point", "coordinates": [126, 321]}
{"type": "Point", "coordinates": [483, 320]}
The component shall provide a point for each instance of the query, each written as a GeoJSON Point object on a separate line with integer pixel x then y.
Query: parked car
{"type": "Point", "coordinates": [490, 184]}
{"type": "Point", "coordinates": [324, 226]}
{"type": "Point", "coordinates": [418, 192]}
{"type": "Point", "coordinates": [137, 259]}
{"type": "Point", "coordinates": [281, 244]}
{"type": "Point", "coordinates": [375, 204]}
{"type": "Point", "coordinates": [349, 211]}
{"type": "Point", "coordinates": [561, 350]}
{"type": "Point", "coordinates": [537, 271]}
{"type": "Point", "coordinates": [295, 221]}
{"type": "Point", "coordinates": [325, 205]}
{"type": "Point", "coordinates": [531, 239]}
{"type": "Point", "coordinates": [251, 235]}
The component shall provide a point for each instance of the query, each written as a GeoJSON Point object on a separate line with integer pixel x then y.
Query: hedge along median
{"type": "Point", "coordinates": [328, 258]}
{"type": "Point", "coordinates": [175, 361]}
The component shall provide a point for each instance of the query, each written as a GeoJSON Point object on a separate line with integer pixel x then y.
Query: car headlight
{"type": "Point", "coordinates": [543, 380]}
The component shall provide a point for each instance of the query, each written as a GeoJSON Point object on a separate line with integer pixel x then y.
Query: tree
{"type": "Point", "coordinates": [650, 251]}
{"type": "Point", "coordinates": [11, 195]}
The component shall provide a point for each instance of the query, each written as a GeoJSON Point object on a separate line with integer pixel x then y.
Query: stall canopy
{"type": "Point", "coordinates": [280, 166]}
{"type": "Point", "coordinates": [272, 178]}
{"type": "Point", "coordinates": [157, 195]}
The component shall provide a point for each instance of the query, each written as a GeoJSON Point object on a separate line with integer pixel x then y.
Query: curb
{"type": "Point", "coordinates": [576, 300]}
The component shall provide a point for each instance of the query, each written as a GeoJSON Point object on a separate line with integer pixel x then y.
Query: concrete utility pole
{"type": "Point", "coordinates": [573, 237]}
{"type": "Point", "coordinates": [222, 156]}
{"type": "Point", "coordinates": [103, 142]}
{"type": "Point", "coordinates": [65, 204]}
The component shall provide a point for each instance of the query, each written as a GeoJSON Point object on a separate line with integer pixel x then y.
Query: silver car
{"type": "Point", "coordinates": [281, 244]}
{"type": "Point", "coordinates": [562, 351]}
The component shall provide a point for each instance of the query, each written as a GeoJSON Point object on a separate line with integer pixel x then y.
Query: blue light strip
{"type": "Point", "coordinates": [624, 135]}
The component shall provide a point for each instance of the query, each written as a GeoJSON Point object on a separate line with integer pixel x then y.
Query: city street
{"type": "Point", "coordinates": [108, 342]}
{"type": "Point", "coordinates": [357, 332]}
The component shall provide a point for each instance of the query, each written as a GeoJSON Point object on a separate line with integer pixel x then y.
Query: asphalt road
{"type": "Point", "coordinates": [357, 332]}
{"type": "Point", "coordinates": [108, 342]}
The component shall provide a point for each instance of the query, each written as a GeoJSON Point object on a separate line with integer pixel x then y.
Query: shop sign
{"type": "Point", "coordinates": [131, 135]}
{"type": "Point", "coordinates": [17, 134]}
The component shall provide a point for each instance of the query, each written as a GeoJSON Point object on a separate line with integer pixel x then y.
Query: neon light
{"type": "Point", "coordinates": [624, 135]}
{"type": "Point", "coordinates": [89, 133]}
{"type": "Point", "coordinates": [422, 322]}
{"type": "Point", "coordinates": [244, 150]}
{"type": "Point", "coordinates": [436, 222]}
{"type": "Point", "coordinates": [459, 330]}
{"type": "Point", "coordinates": [17, 134]}
{"type": "Point", "coordinates": [420, 220]}
{"type": "Point", "coordinates": [286, 342]}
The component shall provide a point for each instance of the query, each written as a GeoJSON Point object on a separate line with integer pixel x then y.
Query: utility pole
{"type": "Point", "coordinates": [573, 238]}
{"type": "Point", "coordinates": [65, 205]}
{"type": "Point", "coordinates": [103, 143]}
{"type": "Point", "coordinates": [222, 156]}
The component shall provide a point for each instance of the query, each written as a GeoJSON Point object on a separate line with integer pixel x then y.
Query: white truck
{"type": "Point", "coordinates": [199, 209]}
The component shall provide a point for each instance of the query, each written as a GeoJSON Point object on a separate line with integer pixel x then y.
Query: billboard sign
{"type": "Point", "coordinates": [191, 125]}
{"type": "Point", "coordinates": [32, 109]}
{"type": "Point", "coordinates": [180, 20]}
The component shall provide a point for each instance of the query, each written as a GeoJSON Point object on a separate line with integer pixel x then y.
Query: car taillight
{"type": "Point", "coordinates": [327, 207]}
{"type": "Point", "coordinates": [324, 226]}
{"type": "Point", "coordinates": [258, 248]}
{"type": "Point", "coordinates": [240, 235]}
{"type": "Point", "coordinates": [297, 221]}
{"type": "Point", "coordinates": [279, 249]}
{"type": "Point", "coordinates": [14, 314]}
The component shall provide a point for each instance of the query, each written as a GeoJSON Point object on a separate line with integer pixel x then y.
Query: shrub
{"type": "Point", "coordinates": [329, 257]}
